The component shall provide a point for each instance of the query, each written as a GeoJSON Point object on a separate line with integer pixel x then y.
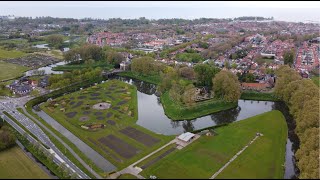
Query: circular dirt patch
{"type": "Point", "coordinates": [111, 122]}
{"type": "Point", "coordinates": [95, 94]}
{"type": "Point", "coordinates": [71, 114]}
{"type": "Point", "coordinates": [122, 102]}
{"type": "Point", "coordinates": [82, 97]}
{"type": "Point", "coordinates": [86, 112]}
{"type": "Point", "coordinates": [72, 98]}
{"type": "Point", "coordinates": [109, 114]}
{"type": "Point", "coordinates": [84, 118]}
{"type": "Point", "coordinates": [78, 104]}
{"type": "Point", "coordinates": [94, 98]}
{"type": "Point", "coordinates": [100, 118]}
{"type": "Point", "coordinates": [101, 106]}
{"type": "Point", "coordinates": [115, 108]}
{"type": "Point", "coordinates": [98, 113]}
{"type": "Point", "coordinates": [72, 102]}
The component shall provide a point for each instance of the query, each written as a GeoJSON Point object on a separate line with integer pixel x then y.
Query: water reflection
{"type": "Point", "coordinates": [151, 116]}
{"type": "Point", "coordinates": [226, 116]}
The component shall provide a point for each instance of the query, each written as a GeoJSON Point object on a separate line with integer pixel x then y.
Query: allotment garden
{"type": "Point", "coordinates": [104, 116]}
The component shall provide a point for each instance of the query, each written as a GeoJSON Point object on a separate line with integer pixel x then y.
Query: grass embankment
{"type": "Point", "coordinates": [154, 79]}
{"type": "Point", "coordinates": [176, 111]}
{"type": "Point", "coordinates": [69, 67]}
{"type": "Point", "coordinates": [316, 80]}
{"type": "Point", "coordinates": [4, 54]}
{"type": "Point", "coordinates": [61, 147]}
{"type": "Point", "coordinates": [127, 176]}
{"type": "Point", "coordinates": [251, 95]}
{"type": "Point", "coordinates": [201, 159]}
{"type": "Point", "coordinates": [11, 71]}
{"type": "Point", "coordinates": [120, 116]}
{"type": "Point", "coordinates": [15, 164]}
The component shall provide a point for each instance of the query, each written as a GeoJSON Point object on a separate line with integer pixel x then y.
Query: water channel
{"type": "Point", "coordinates": [151, 116]}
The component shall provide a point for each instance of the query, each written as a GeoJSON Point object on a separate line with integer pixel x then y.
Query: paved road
{"type": "Point", "coordinates": [35, 130]}
{"type": "Point", "coordinates": [64, 144]}
{"type": "Point", "coordinates": [96, 158]}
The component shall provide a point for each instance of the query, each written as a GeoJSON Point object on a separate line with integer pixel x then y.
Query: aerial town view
{"type": "Point", "coordinates": [159, 90]}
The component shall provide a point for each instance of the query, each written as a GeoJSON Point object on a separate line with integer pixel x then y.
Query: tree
{"type": "Point", "coordinates": [188, 96]}
{"type": "Point", "coordinates": [288, 57]}
{"type": "Point", "coordinates": [55, 40]}
{"type": "Point", "coordinates": [187, 73]}
{"type": "Point", "coordinates": [205, 73]}
{"type": "Point", "coordinates": [226, 86]}
{"type": "Point", "coordinates": [114, 58]}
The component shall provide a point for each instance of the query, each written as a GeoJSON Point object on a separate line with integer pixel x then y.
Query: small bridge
{"type": "Point", "coordinates": [111, 73]}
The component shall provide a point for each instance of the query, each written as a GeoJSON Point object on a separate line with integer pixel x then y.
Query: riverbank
{"type": "Point", "coordinates": [153, 79]}
{"type": "Point", "coordinates": [176, 111]}
{"type": "Point", "coordinates": [263, 159]}
{"type": "Point", "coordinates": [70, 67]}
{"type": "Point", "coordinates": [251, 95]}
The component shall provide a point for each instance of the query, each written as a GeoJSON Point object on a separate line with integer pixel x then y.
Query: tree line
{"type": "Point", "coordinates": [302, 98]}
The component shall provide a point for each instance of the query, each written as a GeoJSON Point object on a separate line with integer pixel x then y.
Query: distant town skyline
{"type": "Point", "coordinates": [295, 11]}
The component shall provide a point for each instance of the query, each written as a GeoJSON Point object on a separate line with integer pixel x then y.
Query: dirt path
{"type": "Point", "coordinates": [233, 158]}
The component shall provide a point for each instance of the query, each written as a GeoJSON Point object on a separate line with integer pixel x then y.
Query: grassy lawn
{"type": "Point", "coordinates": [316, 80]}
{"type": "Point", "coordinates": [251, 95]}
{"type": "Point", "coordinates": [15, 164]}
{"type": "Point", "coordinates": [127, 176]}
{"type": "Point", "coordinates": [10, 71]}
{"type": "Point", "coordinates": [103, 65]}
{"type": "Point", "coordinates": [124, 97]}
{"type": "Point", "coordinates": [155, 79]}
{"type": "Point", "coordinates": [176, 111]}
{"type": "Point", "coordinates": [201, 159]}
{"type": "Point", "coordinates": [4, 54]}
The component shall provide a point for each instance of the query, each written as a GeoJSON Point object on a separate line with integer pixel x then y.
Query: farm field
{"type": "Point", "coordinates": [9, 71]}
{"type": "Point", "coordinates": [14, 164]}
{"type": "Point", "coordinates": [104, 116]}
{"type": "Point", "coordinates": [201, 159]}
{"type": "Point", "coordinates": [4, 54]}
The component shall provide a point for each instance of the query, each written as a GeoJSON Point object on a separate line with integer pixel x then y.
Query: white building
{"type": "Point", "coordinates": [186, 137]}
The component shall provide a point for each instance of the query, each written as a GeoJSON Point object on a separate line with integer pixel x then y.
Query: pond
{"type": "Point", "coordinates": [46, 69]}
{"type": "Point", "coordinates": [151, 116]}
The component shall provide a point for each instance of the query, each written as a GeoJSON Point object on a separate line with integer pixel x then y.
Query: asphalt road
{"type": "Point", "coordinates": [10, 107]}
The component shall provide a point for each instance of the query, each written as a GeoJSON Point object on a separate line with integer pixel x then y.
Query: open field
{"type": "Point", "coordinates": [14, 164]}
{"type": "Point", "coordinates": [316, 80]}
{"type": "Point", "coordinates": [10, 71]}
{"type": "Point", "coordinates": [177, 111]}
{"type": "Point", "coordinates": [201, 159]}
{"type": "Point", "coordinates": [107, 130]}
{"type": "Point", "coordinates": [4, 54]}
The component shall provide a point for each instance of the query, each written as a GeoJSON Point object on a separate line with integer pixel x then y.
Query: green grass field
{"type": "Point", "coordinates": [14, 164]}
{"type": "Point", "coordinates": [201, 159]}
{"type": "Point", "coordinates": [316, 80]}
{"type": "Point", "coordinates": [125, 116]}
{"type": "Point", "coordinates": [10, 71]}
{"type": "Point", "coordinates": [4, 54]}
{"type": "Point", "coordinates": [176, 111]}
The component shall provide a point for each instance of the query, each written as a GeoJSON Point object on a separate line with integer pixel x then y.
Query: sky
{"type": "Point", "coordinates": [296, 11]}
